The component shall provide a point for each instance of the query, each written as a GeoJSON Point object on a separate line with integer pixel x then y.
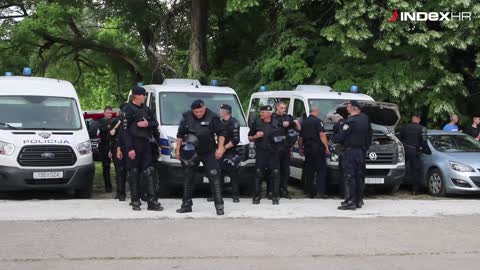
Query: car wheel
{"type": "Point", "coordinates": [436, 184]}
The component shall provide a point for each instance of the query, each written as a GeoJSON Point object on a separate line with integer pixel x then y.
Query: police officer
{"type": "Point", "coordinates": [314, 146]}
{"type": "Point", "coordinates": [106, 124]}
{"type": "Point", "coordinates": [227, 152]}
{"type": "Point", "coordinates": [269, 137]}
{"type": "Point", "coordinates": [117, 155]}
{"type": "Point", "coordinates": [284, 153]}
{"type": "Point", "coordinates": [413, 137]}
{"type": "Point", "coordinates": [138, 125]}
{"type": "Point", "coordinates": [204, 124]}
{"type": "Point", "coordinates": [356, 138]}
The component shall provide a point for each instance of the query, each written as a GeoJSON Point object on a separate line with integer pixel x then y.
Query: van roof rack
{"type": "Point", "coordinates": [181, 82]}
{"type": "Point", "coordinates": [316, 88]}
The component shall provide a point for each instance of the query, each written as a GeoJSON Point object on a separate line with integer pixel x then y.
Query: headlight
{"type": "Point", "coordinates": [84, 148]}
{"type": "Point", "coordinates": [401, 153]}
{"type": "Point", "coordinates": [6, 148]}
{"type": "Point", "coordinates": [251, 150]}
{"type": "Point", "coordinates": [460, 167]}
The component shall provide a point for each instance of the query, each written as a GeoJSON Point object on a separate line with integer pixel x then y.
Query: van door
{"type": "Point", "coordinates": [297, 164]}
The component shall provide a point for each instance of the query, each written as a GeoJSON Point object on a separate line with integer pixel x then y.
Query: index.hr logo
{"type": "Point", "coordinates": [430, 16]}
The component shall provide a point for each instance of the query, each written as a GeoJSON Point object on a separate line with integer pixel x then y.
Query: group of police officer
{"type": "Point", "coordinates": [210, 138]}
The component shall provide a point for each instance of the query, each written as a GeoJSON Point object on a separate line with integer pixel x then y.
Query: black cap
{"type": "Point", "coordinates": [226, 107]}
{"type": "Point", "coordinates": [139, 91]}
{"type": "Point", "coordinates": [266, 108]}
{"type": "Point", "coordinates": [355, 103]}
{"type": "Point", "coordinates": [197, 104]}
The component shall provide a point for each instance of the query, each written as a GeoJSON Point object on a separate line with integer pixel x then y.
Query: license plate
{"type": "Point", "coordinates": [47, 175]}
{"type": "Point", "coordinates": [227, 179]}
{"type": "Point", "coordinates": [205, 180]}
{"type": "Point", "coordinates": [371, 180]}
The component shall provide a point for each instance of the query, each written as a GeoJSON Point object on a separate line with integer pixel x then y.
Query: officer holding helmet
{"type": "Point", "coordinates": [138, 126]}
{"type": "Point", "coordinates": [227, 153]}
{"type": "Point", "coordinates": [289, 127]}
{"type": "Point", "coordinates": [198, 129]}
{"type": "Point", "coordinates": [269, 137]}
{"type": "Point", "coordinates": [356, 138]}
{"type": "Point", "coordinates": [118, 156]}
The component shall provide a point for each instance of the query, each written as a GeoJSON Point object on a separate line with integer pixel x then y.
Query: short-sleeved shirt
{"type": "Point", "coordinates": [450, 127]}
{"type": "Point", "coordinates": [311, 128]}
{"type": "Point", "coordinates": [474, 132]}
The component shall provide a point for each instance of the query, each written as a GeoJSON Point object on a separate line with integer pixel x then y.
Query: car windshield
{"type": "Point", "coordinates": [454, 143]}
{"type": "Point", "coordinates": [39, 113]}
{"type": "Point", "coordinates": [174, 104]}
{"type": "Point", "coordinates": [325, 105]}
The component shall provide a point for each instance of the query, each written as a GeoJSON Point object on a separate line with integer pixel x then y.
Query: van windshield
{"type": "Point", "coordinates": [174, 104]}
{"type": "Point", "coordinates": [39, 113]}
{"type": "Point", "coordinates": [325, 105]}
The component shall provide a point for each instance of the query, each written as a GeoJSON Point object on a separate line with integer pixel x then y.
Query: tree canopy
{"type": "Point", "coordinates": [106, 46]}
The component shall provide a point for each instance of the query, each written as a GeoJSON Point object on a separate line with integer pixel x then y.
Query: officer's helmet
{"type": "Point", "coordinates": [231, 163]}
{"type": "Point", "coordinates": [292, 137]}
{"type": "Point", "coordinates": [188, 151]}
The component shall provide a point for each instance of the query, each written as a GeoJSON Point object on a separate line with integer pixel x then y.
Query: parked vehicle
{"type": "Point", "coordinates": [385, 160]}
{"type": "Point", "coordinates": [44, 143]}
{"type": "Point", "coordinates": [169, 101]}
{"type": "Point", "coordinates": [451, 163]}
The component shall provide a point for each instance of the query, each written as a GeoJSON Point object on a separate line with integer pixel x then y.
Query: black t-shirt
{"type": "Point", "coordinates": [412, 134]}
{"type": "Point", "coordinates": [311, 129]}
{"type": "Point", "coordinates": [474, 132]}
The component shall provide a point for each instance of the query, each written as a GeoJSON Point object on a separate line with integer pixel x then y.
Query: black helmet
{"type": "Point", "coordinates": [188, 151]}
{"type": "Point", "coordinates": [292, 137]}
{"type": "Point", "coordinates": [231, 163]}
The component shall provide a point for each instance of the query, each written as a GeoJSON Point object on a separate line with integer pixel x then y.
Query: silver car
{"type": "Point", "coordinates": [451, 164]}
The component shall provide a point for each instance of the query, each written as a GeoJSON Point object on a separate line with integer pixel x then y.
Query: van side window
{"type": "Point", "coordinates": [153, 105]}
{"type": "Point", "coordinates": [254, 110]}
{"type": "Point", "coordinates": [299, 112]}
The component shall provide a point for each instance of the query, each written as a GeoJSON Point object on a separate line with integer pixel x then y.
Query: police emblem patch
{"type": "Point", "coordinates": [345, 127]}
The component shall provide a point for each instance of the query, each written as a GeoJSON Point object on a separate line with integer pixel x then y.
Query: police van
{"type": "Point", "coordinates": [44, 143]}
{"type": "Point", "coordinates": [168, 102]}
{"type": "Point", "coordinates": [385, 160]}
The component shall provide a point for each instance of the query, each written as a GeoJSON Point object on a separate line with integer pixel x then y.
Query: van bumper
{"type": "Point", "coordinates": [173, 173]}
{"type": "Point", "coordinates": [15, 179]}
{"type": "Point", "coordinates": [392, 175]}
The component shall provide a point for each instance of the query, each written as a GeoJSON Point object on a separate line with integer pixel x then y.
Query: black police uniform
{"type": "Point", "coordinates": [413, 137]}
{"type": "Point", "coordinates": [356, 138]}
{"type": "Point", "coordinates": [105, 126]}
{"type": "Point", "coordinates": [231, 159]}
{"type": "Point", "coordinates": [267, 163]}
{"type": "Point", "coordinates": [120, 164]}
{"type": "Point", "coordinates": [136, 138]}
{"type": "Point", "coordinates": [205, 130]}
{"type": "Point", "coordinates": [315, 165]}
{"type": "Point", "coordinates": [284, 153]}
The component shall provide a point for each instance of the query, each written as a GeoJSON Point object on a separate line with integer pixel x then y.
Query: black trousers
{"type": "Point", "coordinates": [284, 157]}
{"type": "Point", "coordinates": [139, 167]}
{"type": "Point", "coordinates": [105, 166]}
{"type": "Point", "coordinates": [120, 172]}
{"type": "Point", "coordinates": [267, 166]}
{"type": "Point", "coordinates": [233, 174]}
{"type": "Point", "coordinates": [353, 163]}
{"type": "Point", "coordinates": [213, 173]}
{"type": "Point", "coordinates": [315, 169]}
{"type": "Point", "coordinates": [413, 167]}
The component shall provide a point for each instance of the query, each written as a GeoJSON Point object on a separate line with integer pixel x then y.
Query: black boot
{"type": "Point", "coordinates": [275, 179]}
{"type": "Point", "coordinates": [216, 182]}
{"type": "Point", "coordinates": [257, 187]}
{"type": "Point", "coordinates": [187, 203]}
{"type": "Point", "coordinates": [132, 177]}
{"type": "Point", "coordinates": [347, 206]}
{"type": "Point", "coordinates": [150, 184]}
{"type": "Point", "coordinates": [212, 191]}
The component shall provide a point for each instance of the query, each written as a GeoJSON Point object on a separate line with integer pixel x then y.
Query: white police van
{"type": "Point", "coordinates": [44, 143]}
{"type": "Point", "coordinates": [169, 101]}
{"type": "Point", "coordinates": [385, 160]}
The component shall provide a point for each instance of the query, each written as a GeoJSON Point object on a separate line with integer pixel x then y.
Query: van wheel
{"type": "Point", "coordinates": [436, 184]}
{"type": "Point", "coordinates": [84, 193]}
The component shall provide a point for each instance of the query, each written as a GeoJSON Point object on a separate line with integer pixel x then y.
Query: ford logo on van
{"type": "Point", "coordinates": [44, 135]}
{"type": "Point", "coordinates": [48, 155]}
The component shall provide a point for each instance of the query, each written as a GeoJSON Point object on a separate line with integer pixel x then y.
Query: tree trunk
{"type": "Point", "coordinates": [198, 43]}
